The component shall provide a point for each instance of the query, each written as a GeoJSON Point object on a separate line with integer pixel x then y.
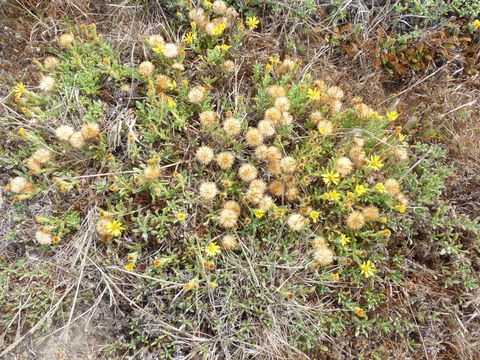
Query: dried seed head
{"type": "Point", "coordinates": [51, 63]}
{"type": "Point", "coordinates": [208, 118]}
{"type": "Point", "coordinates": [196, 94]}
{"type": "Point", "coordinates": [392, 186]}
{"type": "Point", "coordinates": [90, 130]}
{"type": "Point", "coordinates": [371, 213]}
{"type": "Point", "coordinates": [64, 132]}
{"type": "Point", "coordinates": [204, 155]}
{"type": "Point", "coordinates": [225, 160]}
{"type": "Point", "coordinates": [355, 220]}
{"type": "Point", "coordinates": [253, 137]}
{"type": "Point", "coordinates": [247, 172]}
{"type": "Point", "coordinates": [208, 191]}
{"type": "Point", "coordinates": [344, 166]}
{"type": "Point", "coordinates": [77, 140]}
{"type": "Point", "coordinates": [232, 126]}
{"type": "Point", "coordinates": [296, 222]}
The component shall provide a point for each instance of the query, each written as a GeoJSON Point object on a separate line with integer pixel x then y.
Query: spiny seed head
{"type": "Point", "coordinates": [266, 202]}
{"type": "Point", "coordinates": [335, 107]}
{"type": "Point", "coordinates": [170, 50]}
{"type": "Point", "coordinates": [355, 220]}
{"type": "Point", "coordinates": [274, 154]}
{"type": "Point", "coordinates": [77, 140]}
{"type": "Point", "coordinates": [287, 119]}
{"type": "Point", "coordinates": [162, 82]}
{"type": "Point", "coordinates": [276, 91]}
{"type": "Point", "coordinates": [33, 166]}
{"type": "Point", "coordinates": [196, 94]}
{"type": "Point", "coordinates": [265, 127]}
{"type": "Point", "coordinates": [344, 166]}
{"type": "Point", "coordinates": [208, 118]}
{"type": "Point", "coordinates": [258, 185]}
{"type": "Point", "coordinates": [296, 222]}
{"type": "Point", "coordinates": [90, 130]}
{"type": "Point", "coordinates": [318, 242]}
{"type": "Point", "coordinates": [146, 69]}
{"type": "Point", "coordinates": [208, 191]}
{"type": "Point", "coordinates": [274, 167]}
{"type": "Point", "coordinates": [253, 137]}
{"type": "Point", "coordinates": [43, 237]}
{"type": "Point", "coordinates": [204, 155]}
{"type": "Point", "coordinates": [151, 173]}
{"type": "Point", "coordinates": [392, 186]}
{"type": "Point", "coordinates": [292, 193]}
{"type": "Point", "coordinates": [64, 132]}
{"type": "Point", "coordinates": [371, 213]}
{"type": "Point", "coordinates": [232, 126]}
{"type": "Point", "coordinates": [247, 172]}
{"type": "Point", "coordinates": [225, 160]}
{"type": "Point", "coordinates": [357, 155]}
{"type": "Point", "coordinates": [51, 63]}
{"type": "Point", "coordinates": [229, 242]}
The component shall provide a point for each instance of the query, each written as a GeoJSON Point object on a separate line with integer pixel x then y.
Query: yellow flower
{"type": "Point", "coordinates": [336, 276]}
{"type": "Point", "coordinates": [213, 285]}
{"type": "Point", "coordinates": [387, 232]}
{"type": "Point", "coordinates": [374, 162]}
{"type": "Point", "coordinates": [193, 24]}
{"type": "Point", "coordinates": [190, 37]}
{"type": "Point", "coordinates": [223, 47]}
{"type": "Point", "coordinates": [259, 213]}
{"type": "Point", "coordinates": [334, 195]}
{"type": "Point", "coordinates": [383, 219]}
{"type": "Point", "coordinates": [381, 188]}
{"type": "Point", "coordinates": [157, 262]}
{"type": "Point", "coordinates": [330, 177]}
{"type": "Point", "coordinates": [392, 115]}
{"type": "Point", "coordinates": [326, 196]}
{"type": "Point", "coordinates": [280, 212]}
{"type": "Point", "coordinates": [360, 312]}
{"type": "Point", "coordinates": [268, 67]}
{"type": "Point", "coordinates": [130, 267]}
{"type": "Point", "coordinates": [274, 59]}
{"type": "Point", "coordinates": [367, 268]}
{"type": "Point", "coordinates": [401, 137]}
{"type": "Point", "coordinates": [476, 24]}
{"type": "Point", "coordinates": [401, 208]}
{"type": "Point", "coordinates": [314, 94]}
{"type": "Point", "coordinates": [344, 239]}
{"type": "Point", "coordinates": [41, 219]}
{"type": "Point", "coordinates": [207, 3]}
{"type": "Point", "coordinates": [212, 249]}
{"type": "Point", "coordinates": [360, 190]}
{"type": "Point", "coordinates": [219, 29]}
{"type": "Point", "coordinates": [181, 216]}
{"type": "Point", "coordinates": [19, 89]}
{"type": "Point", "coordinates": [314, 215]}
{"type": "Point", "coordinates": [114, 228]}
{"type": "Point", "coordinates": [56, 239]}
{"type": "Point", "coordinates": [252, 22]}
{"type": "Point", "coordinates": [192, 285]}
{"type": "Point", "coordinates": [21, 132]}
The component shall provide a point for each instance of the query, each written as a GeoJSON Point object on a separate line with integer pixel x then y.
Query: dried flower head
{"type": "Point", "coordinates": [277, 188]}
{"type": "Point", "coordinates": [323, 255]}
{"type": "Point", "coordinates": [371, 213]}
{"type": "Point", "coordinates": [296, 222]}
{"type": "Point", "coordinates": [355, 220]}
{"type": "Point", "coordinates": [274, 153]}
{"type": "Point", "coordinates": [178, 67]}
{"type": "Point", "coordinates": [33, 166]}
{"type": "Point", "coordinates": [325, 127]}
{"type": "Point", "coordinates": [225, 160]}
{"type": "Point", "coordinates": [276, 91]}
{"type": "Point", "coordinates": [196, 94]}
{"type": "Point", "coordinates": [229, 242]}
{"type": "Point", "coordinates": [401, 153]}
{"type": "Point", "coordinates": [362, 111]}
{"type": "Point", "coordinates": [156, 40]}
{"type": "Point", "coordinates": [170, 50]}
{"type": "Point", "coordinates": [64, 132]}
{"type": "Point", "coordinates": [316, 117]}
{"type": "Point", "coordinates": [204, 155]}
{"type": "Point", "coordinates": [232, 126]}
{"type": "Point", "coordinates": [265, 203]}
{"type": "Point", "coordinates": [208, 118]}
{"type": "Point", "coordinates": [282, 104]}
{"type": "Point", "coordinates": [253, 137]}
{"type": "Point", "coordinates": [219, 7]}
{"type": "Point", "coordinates": [335, 92]}
{"type": "Point", "coordinates": [287, 66]}
{"type": "Point", "coordinates": [288, 165]}
{"type": "Point", "coordinates": [274, 115]}
{"type": "Point", "coordinates": [146, 69]}
{"type": "Point", "coordinates": [344, 166]}
{"type": "Point", "coordinates": [357, 155]}
{"type": "Point", "coordinates": [233, 206]}
{"type": "Point", "coordinates": [247, 172]}
{"type": "Point", "coordinates": [21, 185]}
{"type": "Point", "coordinates": [292, 193]}
{"type": "Point", "coordinates": [41, 156]}
{"type": "Point", "coordinates": [151, 173]}
{"type": "Point", "coordinates": [228, 66]}
{"type": "Point", "coordinates": [162, 82]}
{"type": "Point", "coordinates": [261, 152]}
{"type": "Point", "coordinates": [335, 107]}
{"type": "Point", "coordinates": [208, 191]}
{"type": "Point", "coordinates": [43, 237]}
{"type": "Point", "coordinates": [392, 186]}
{"type": "Point", "coordinates": [228, 219]}
{"type": "Point", "coordinates": [47, 83]}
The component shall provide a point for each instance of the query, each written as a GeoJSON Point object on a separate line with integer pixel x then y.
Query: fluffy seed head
{"type": "Point", "coordinates": [64, 132]}
{"type": "Point", "coordinates": [371, 213]}
{"type": "Point", "coordinates": [258, 185]}
{"type": "Point", "coordinates": [66, 39]}
{"type": "Point", "coordinates": [344, 166]}
{"type": "Point", "coordinates": [162, 82]}
{"type": "Point", "coordinates": [392, 186]}
{"type": "Point", "coordinates": [357, 154]}
{"type": "Point", "coordinates": [41, 156]}
{"type": "Point", "coordinates": [102, 227]}
{"type": "Point", "coordinates": [146, 69]}
{"type": "Point", "coordinates": [229, 242]}
{"type": "Point", "coordinates": [90, 130]}
{"type": "Point", "coordinates": [47, 83]}
{"type": "Point", "coordinates": [288, 164]}
{"type": "Point", "coordinates": [355, 220]}
{"type": "Point", "coordinates": [225, 160]}
{"type": "Point", "coordinates": [287, 66]}
{"type": "Point", "coordinates": [274, 115]}
{"type": "Point", "coordinates": [208, 118]}
{"type": "Point", "coordinates": [247, 172]}
{"type": "Point", "coordinates": [233, 206]}
{"type": "Point", "coordinates": [156, 40]}
{"type": "Point", "coordinates": [253, 137]}
{"type": "Point", "coordinates": [178, 67]}
{"type": "Point", "coordinates": [21, 185]}
{"type": "Point", "coordinates": [33, 166]}
{"type": "Point", "coordinates": [276, 91]}
{"type": "Point", "coordinates": [228, 219]}
{"type": "Point", "coordinates": [151, 172]}
{"type": "Point", "coordinates": [228, 66]}
{"type": "Point", "coordinates": [296, 222]}
{"type": "Point", "coordinates": [274, 167]}
{"type": "Point", "coordinates": [325, 127]}
{"type": "Point", "coordinates": [51, 63]}
{"type": "Point", "coordinates": [208, 191]}
{"type": "Point", "coordinates": [266, 202]}
{"type": "Point", "coordinates": [287, 119]}
{"type": "Point", "coordinates": [196, 94]}
{"type": "Point", "coordinates": [316, 117]}
{"type": "Point", "coordinates": [335, 92]}
{"type": "Point", "coordinates": [401, 154]}
{"type": "Point", "coordinates": [323, 255]}
{"type": "Point", "coordinates": [232, 126]}
{"type": "Point", "coordinates": [319, 242]}
{"type": "Point", "coordinates": [282, 104]}
{"type": "Point", "coordinates": [363, 111]}
{"type": "Point", "coordinates": [274, 154]}
{"type": "Point", "coordinates": [77, 140]}
{"type": "Point", "coordinates": [43, 237]}
{"type": "Point", "coordinates": [292, 193]}
{"type": "Point", "coordinates": [261, 152]}
{"type": "Point", "coordinates": [335, 107]}
{"type": "Point", "coordinates": [265, 127]}
{"type": "Point", "coordinates": [219, 7]}
{"type": "Point", "coordinates": [170, 50]}
{"type": "Point", "coordinates": [276, 188]}
{"type": "Point", "coordinates": [204, 155]}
